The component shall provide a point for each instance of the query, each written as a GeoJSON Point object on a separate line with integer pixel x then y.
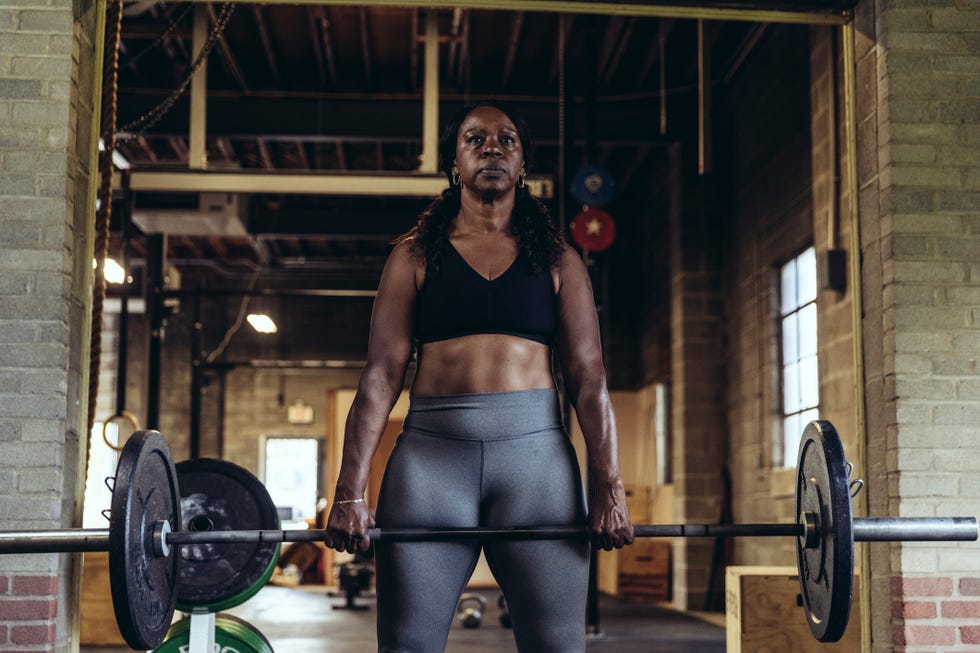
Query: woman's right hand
{"type": "Point", "coordinates": [347, 527]}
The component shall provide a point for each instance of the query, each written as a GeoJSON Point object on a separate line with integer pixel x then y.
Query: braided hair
{"type": "Point", "coordinates": [531, 222]}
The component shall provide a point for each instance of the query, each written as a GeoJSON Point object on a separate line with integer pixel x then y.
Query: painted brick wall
{"type": "Point", "coordinates": [919, 176]}
{"type": "Point", "coordinates": [697, 372]}
{"type": "Point", "coordinates": [46, 109]}
{"type": "Point", "coordinates": [778, 142]}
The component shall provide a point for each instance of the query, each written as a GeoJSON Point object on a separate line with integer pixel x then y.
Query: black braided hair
{"type": "Point", "coordinates": [531, 222]}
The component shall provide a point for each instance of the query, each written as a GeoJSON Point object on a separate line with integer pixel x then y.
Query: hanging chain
{"type": "Point", "coordinates": [139, 126]}
{"type": "Point", "coordinates": [170, 28]}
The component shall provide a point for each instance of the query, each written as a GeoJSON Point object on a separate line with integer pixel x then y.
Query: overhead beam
{"type": "Point", "coordinates": [411, 185]}
{"type": "Point", "coordinates": [198, 156]}
{"type": "Point", "coordinates": [822, 12]}
{"type": "Point", "coordinates": [429, 161]}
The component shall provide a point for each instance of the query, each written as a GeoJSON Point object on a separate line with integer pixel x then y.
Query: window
{"type": "Point", "coordinates": [291, 473]}
{"type": "Point", "coordinates": [798, 333]}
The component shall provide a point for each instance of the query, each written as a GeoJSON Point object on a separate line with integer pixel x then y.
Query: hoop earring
{"type": "Point", "coordinates": [455, 179]}
{"type": "Point", "coordinates": [522, 180]}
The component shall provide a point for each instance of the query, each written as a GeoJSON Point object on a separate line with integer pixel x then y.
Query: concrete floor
{"type": "Point", "coordinates": [301, 620]}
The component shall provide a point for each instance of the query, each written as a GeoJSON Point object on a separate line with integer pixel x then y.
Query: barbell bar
{"type": "Point", "coordinates": [865, 529]}
{"type": "Point", "coordinates": [146, 505]}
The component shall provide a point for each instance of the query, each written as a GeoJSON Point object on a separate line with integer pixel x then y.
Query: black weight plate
{"type": "Point", "coordinates": [827, 570]}
{"type": "Point", "coordinates": [221, 496]}
{"type": "Point", "coordinates": [143, 584]}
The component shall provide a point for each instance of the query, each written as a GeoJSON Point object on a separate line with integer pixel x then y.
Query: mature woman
{"type": "Point", "coordinates": [487, 287]}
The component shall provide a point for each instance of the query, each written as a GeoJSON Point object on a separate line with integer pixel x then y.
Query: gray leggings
{"type": "Point", "coordinates": [494, 460]}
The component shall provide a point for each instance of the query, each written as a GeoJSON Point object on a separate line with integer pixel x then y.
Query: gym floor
{"type": "Point", "coordinates": [303, 620]}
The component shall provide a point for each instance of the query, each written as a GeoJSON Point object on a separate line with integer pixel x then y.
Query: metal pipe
{"type": "Point", "coordinates": [429, 161]}
{"type": "Point", "coordinates": [915, 529]}
{"type": "Point", "coordinates": [197, 380]}
{"type": "Point", "coordinates": [122, 343]}
{"type": "Point", "coordinates": [156, 261]}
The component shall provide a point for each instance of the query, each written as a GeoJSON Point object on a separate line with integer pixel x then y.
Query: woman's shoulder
{"type": "Point", "coordinates": [570, 266]}
{"type": "Point", "coordinates": [407, 249]}
{"type": "Point", "coordinates": [406, 257]}
{"type": "Point", "coordinates": [568, 256]}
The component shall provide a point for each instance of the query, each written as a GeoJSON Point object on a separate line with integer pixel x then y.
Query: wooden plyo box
{"type": "Point", "coordinates": [644, 571]}
{"type": "Point", "coordinates": [764, 614]}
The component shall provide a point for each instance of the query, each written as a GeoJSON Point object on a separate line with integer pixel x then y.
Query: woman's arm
{"type": "Point", "coordinates": [580, 353]}
{"type": "Point", "coordinates": [389, 350]}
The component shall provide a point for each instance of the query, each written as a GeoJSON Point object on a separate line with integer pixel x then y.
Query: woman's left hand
{"type": "Point", "coordinates": [609, 518]}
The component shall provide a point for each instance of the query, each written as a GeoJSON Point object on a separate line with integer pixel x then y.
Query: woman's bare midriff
{"type": "Point", "coordinates": [485, 362]}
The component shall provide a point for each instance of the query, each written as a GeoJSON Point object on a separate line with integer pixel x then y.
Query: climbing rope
{"type": "Point", "coordinates": [110, 76]}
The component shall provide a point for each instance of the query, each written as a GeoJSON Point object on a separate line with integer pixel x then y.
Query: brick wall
{"type": "Point", "coordinates": [775, 147]}
{"type": "Point", "coordinates": [47, 68]}
{"type": "Point", "coordinates": [919, 179]}
{"type": "Point", "coordinates": [697, 373]}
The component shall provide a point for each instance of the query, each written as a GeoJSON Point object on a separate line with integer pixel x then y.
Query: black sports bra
{"type": "Point", "coordinates": [459, 301]}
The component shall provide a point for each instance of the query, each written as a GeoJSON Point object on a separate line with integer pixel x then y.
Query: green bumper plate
{"type": "Point", "coordinates": [231, 635]}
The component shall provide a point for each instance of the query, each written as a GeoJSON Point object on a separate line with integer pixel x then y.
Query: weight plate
{"type": "Point", "coordinates": [593, 230]}
{"type": "Point", "coordinates": [826, 570]}
{"type": "Point", "coordinates": [221, 496]}
{"type": "Point", "coordinates": [593, 186]}
{"type": "Point", "coordinates": [143, 584]}
{"type": "Point", "coordinates": [231, 635]}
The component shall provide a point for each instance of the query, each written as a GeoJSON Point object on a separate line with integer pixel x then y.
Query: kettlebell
{"type": "Point", "coordinates": [504, 612]}
{"type": "Point", "coordinates": [470, 609]}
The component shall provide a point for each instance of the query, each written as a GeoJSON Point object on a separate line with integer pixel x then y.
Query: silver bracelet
{"type": "Point", "coordinates": [342, 501]}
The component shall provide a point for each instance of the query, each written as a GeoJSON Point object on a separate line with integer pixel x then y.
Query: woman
{"type": "Point", "coordinates": [486, 285]}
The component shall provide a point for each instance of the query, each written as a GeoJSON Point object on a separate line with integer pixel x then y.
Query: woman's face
{"type": "Point", "coordinates": [489, 153]}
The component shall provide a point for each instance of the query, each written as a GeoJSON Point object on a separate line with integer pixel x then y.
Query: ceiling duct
{"type": "Point", "coordinates": [217, 214]}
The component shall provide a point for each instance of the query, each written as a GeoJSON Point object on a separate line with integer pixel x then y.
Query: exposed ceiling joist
{"type": "Point", "coordinates": [366, 44]}
{"type": "Point", "coordinates": [825, 12]}
{"type": "Point", "coordinates": [227, 57]}
{"type": "Point", "coordinates": [515, 39]}
{"type": "Point", "coordinates": [270, 55]}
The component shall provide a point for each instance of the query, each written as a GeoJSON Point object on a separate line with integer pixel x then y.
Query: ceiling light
{"type": "Point", "coordinates": [262, 323]}
{"type": "Point", "coordinates": [118, 159]}
{"type": "Point", "coordinates": [113, 272]}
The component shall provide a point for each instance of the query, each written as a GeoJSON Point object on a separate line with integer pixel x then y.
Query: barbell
{"type": "Point", "coordinates": [146, 506]}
